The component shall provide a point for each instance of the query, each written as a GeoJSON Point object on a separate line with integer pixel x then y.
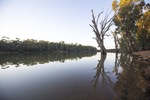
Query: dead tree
{"type": "Point", "coordinates": [100, 28]}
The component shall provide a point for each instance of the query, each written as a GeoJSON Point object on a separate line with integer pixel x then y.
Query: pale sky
{"type": "Point", "coordinates": [52, 20]}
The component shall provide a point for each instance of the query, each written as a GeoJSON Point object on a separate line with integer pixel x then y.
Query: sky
{"type": "Point", "coordinates": [52, 20]}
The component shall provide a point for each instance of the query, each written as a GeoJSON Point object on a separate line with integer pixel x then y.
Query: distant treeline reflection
{"type": "Point", "coordinates": [29, 59]}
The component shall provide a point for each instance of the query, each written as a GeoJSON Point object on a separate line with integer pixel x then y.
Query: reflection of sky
{"type": "Point", "coordinates": [54, 78]}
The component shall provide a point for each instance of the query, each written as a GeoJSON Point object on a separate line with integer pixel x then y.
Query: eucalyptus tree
{"type": "Point", "coordinates": [127, 12]}
{"type": "Point", "coordinates": [143, 31]}
{"type": "Point", "coordinates": [116, 40]}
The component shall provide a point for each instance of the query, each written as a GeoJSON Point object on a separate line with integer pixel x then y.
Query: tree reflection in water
{"type": "Point", "coordinates": [30, 59]}
{"type": "Point", "coordinates": [104, 87]}
{"type": "Point", "coordinates": [130, 83]}
{"type": "Point", "coordinates": [116, 66]}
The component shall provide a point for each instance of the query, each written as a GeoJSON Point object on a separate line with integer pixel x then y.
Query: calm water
{"type": "Point", "coordinates": [68, 77]}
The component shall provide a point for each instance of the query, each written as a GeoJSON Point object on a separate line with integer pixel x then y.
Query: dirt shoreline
{"type": "Point", "coordinates": [144, 58]}
{"type": "Point", "coordinates": [143, 54]}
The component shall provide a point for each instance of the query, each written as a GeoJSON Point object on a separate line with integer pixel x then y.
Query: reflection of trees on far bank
{"type": "Point", "coordinates": [29, 59]}
{"type": "Point", "coordinates": [105, 85]}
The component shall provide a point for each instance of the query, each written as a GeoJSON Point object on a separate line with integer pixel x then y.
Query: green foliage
{"type": "Point", "coordinates": [129, 17]}
{"type": "Point", "coordinates": [31, 45]}
{"type": "Point", "coordinates": [143, 31]}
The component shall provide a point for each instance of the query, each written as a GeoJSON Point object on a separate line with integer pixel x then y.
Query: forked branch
{"type": "Point", "coordinates": [100, 31]}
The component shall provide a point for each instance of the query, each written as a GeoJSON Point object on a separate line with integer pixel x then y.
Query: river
{"type": "Point", "coordinates": [70, 77]}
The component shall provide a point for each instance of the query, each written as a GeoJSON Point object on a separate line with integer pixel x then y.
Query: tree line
{"type": "Point", "coordinates": [32, 45]}
{"type": "Point", "coordinates": [132, 21]}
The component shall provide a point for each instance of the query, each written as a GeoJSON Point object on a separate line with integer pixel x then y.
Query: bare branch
{"type": "Point", "coordinates": [98, 17]}
{"type": "Point", "coordinates": [105, 25]}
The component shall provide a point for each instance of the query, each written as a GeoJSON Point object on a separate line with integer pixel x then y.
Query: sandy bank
{"type": "Point", "coordinates": [143, 54]}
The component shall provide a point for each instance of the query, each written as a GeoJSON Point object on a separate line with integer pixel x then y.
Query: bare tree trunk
{"type": "Point", "coordinates": [105, 25]}
{"type": "Point", "coordinates": [103, 49]}
{"type": "Point", "coordinates": [115, 40]}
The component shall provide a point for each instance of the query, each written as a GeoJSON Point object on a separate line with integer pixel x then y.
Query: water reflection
{"type": "Point", "coordinates": [130, 83]}
{"type": "Point", "coordinates": [72, 80]}
{"type": "Point", "coordinates": [105, 85]}
{"type": "Point", "coordinates": [31, 59]}
{"type": "Point", "coordinates": [117, 64]}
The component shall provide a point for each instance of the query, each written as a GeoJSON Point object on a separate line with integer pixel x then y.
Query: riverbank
{"type": "Point", "coordinates": [31, 45]}
{"type": "Point", "coordinates": [143, 58]}
{"type": "Point", "coordinates": [143, 53]}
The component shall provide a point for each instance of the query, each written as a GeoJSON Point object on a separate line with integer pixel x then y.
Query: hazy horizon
{"type": "Point", "coordinates": [52, 20]}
